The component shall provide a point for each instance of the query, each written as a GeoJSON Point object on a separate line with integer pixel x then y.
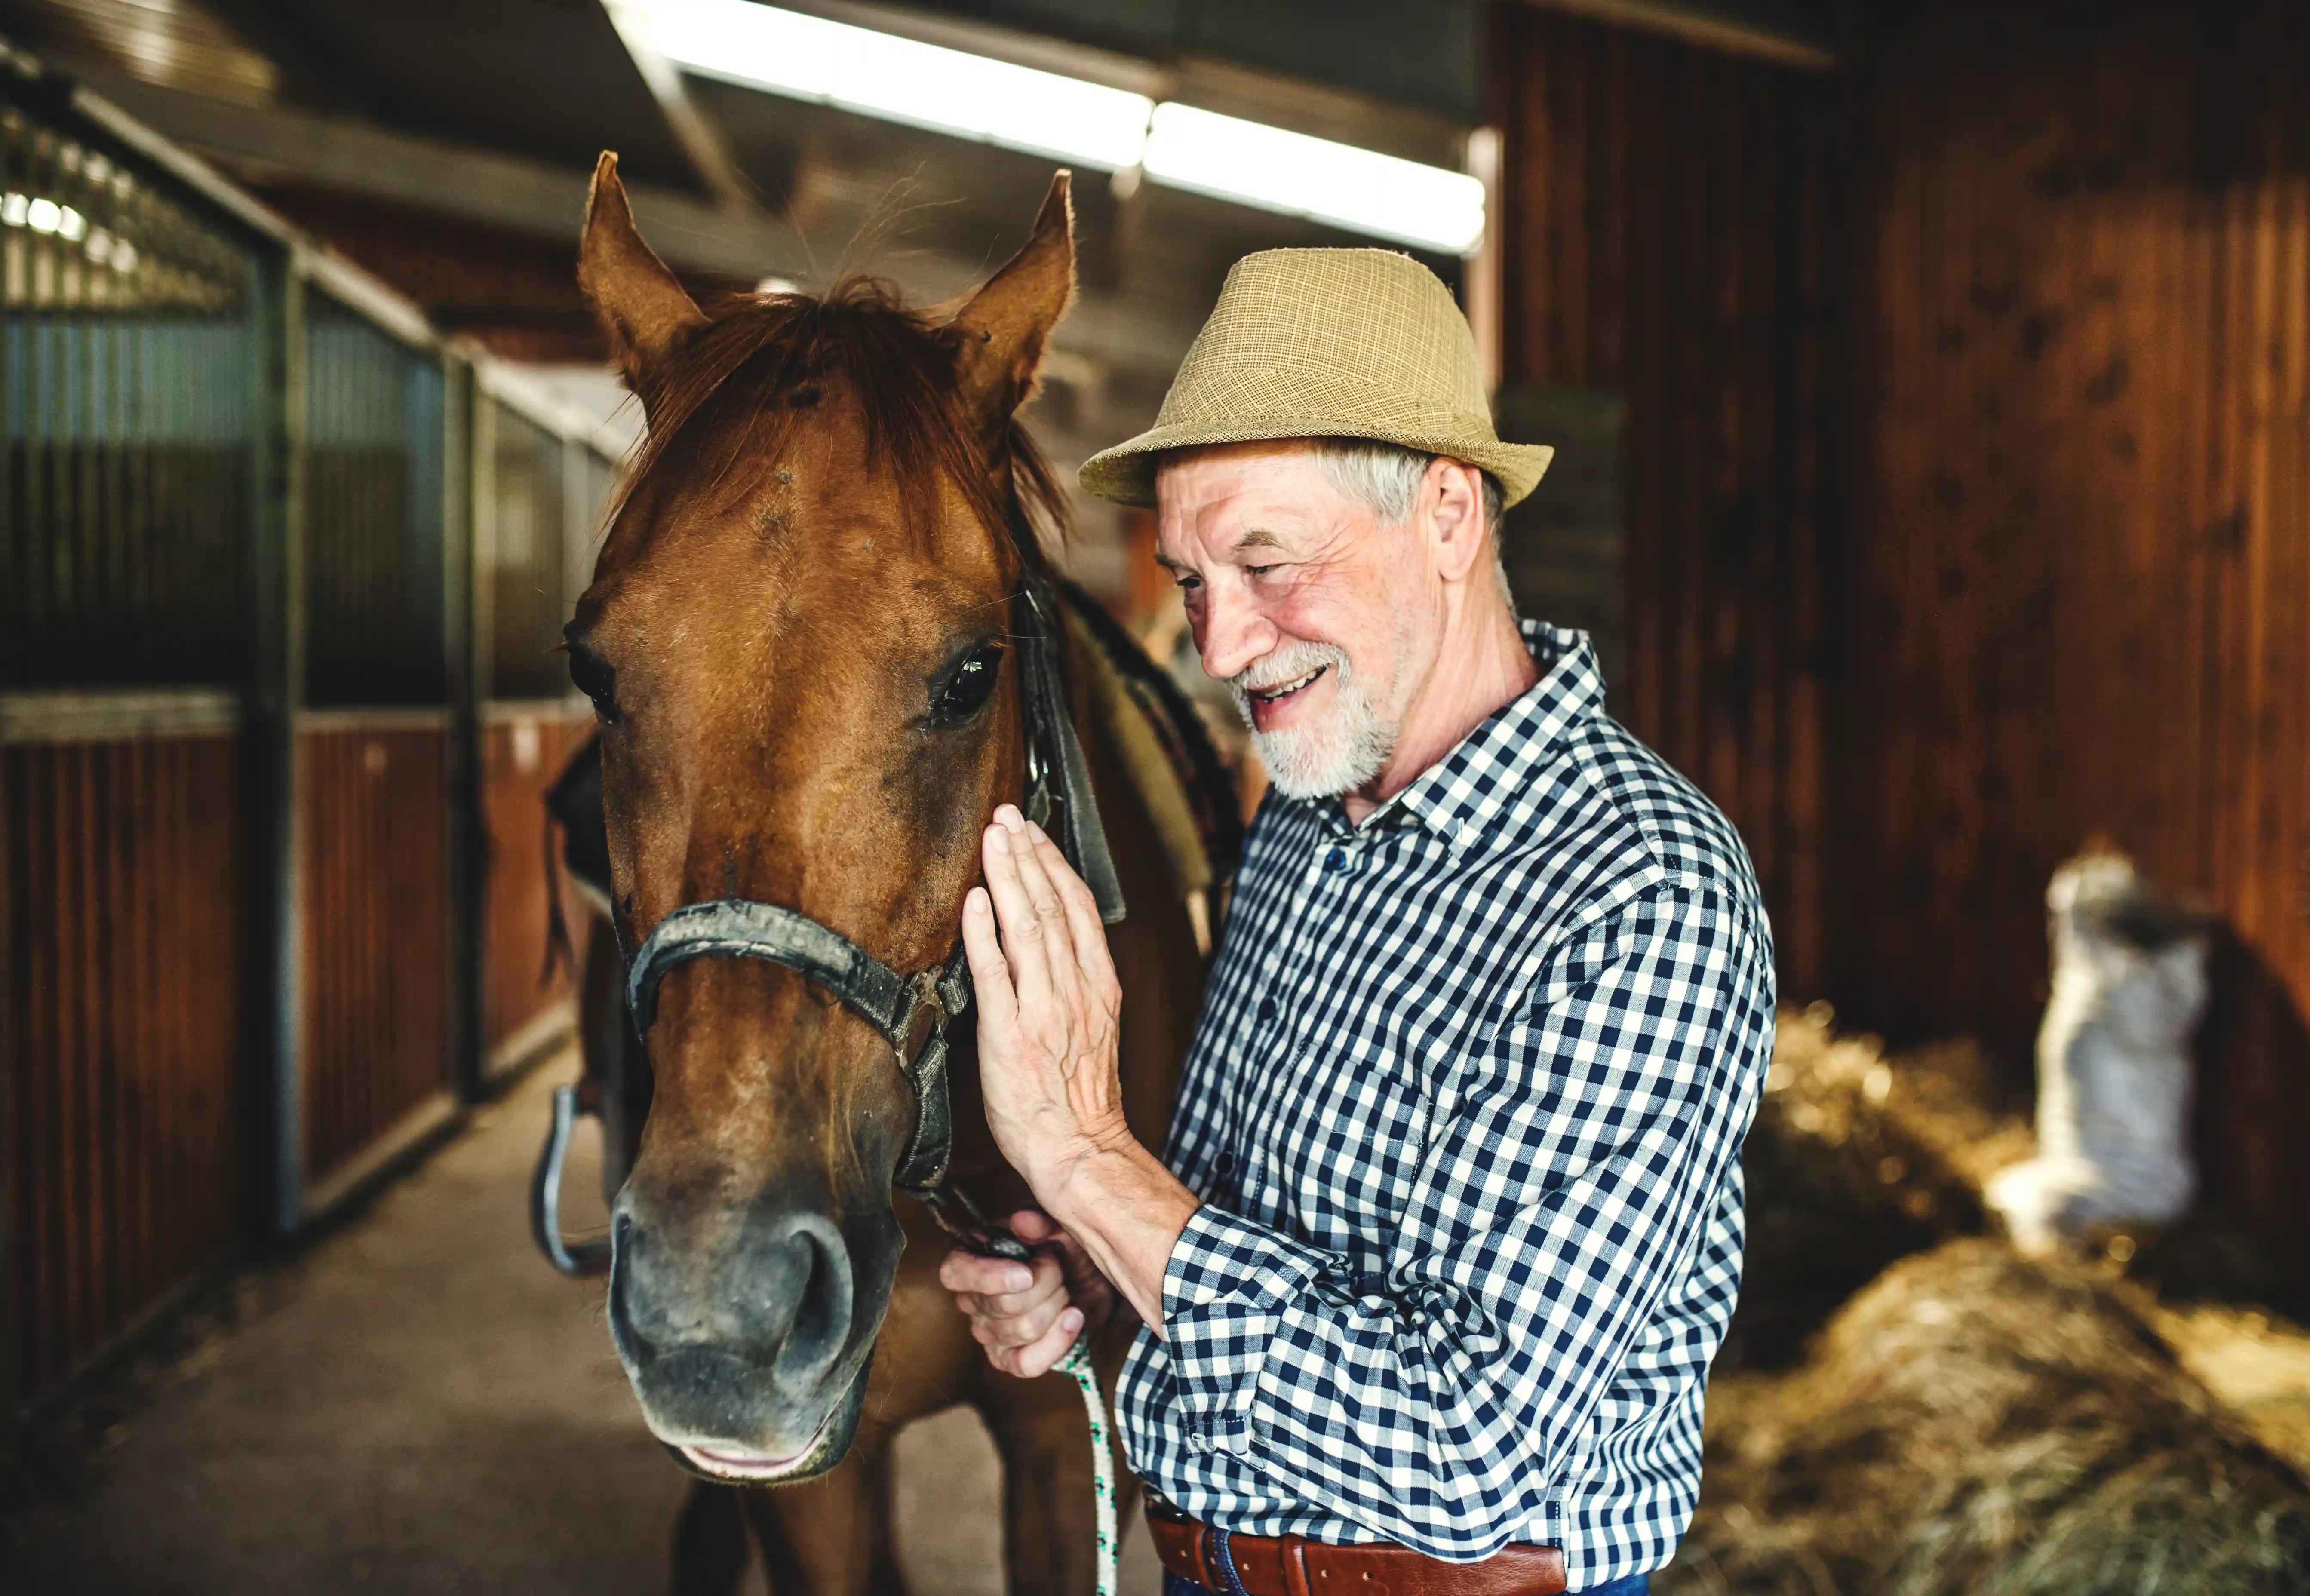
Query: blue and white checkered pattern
{"type": "Point", "coordinates": [1465, 1109]}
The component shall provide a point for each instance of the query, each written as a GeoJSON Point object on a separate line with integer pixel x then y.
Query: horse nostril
{"type": "Point", "coordinates": [622, 1330]}
{"type": "Point", "coordinates": [821, 1327]}
{"type": "Point", "coordinates": [780, 1298]}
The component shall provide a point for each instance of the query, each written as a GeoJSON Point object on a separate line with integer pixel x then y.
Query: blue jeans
{"type": "Point", "coordinates": [1635, 1585]}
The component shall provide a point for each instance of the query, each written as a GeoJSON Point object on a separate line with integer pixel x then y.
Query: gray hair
{"type": "Point", "coordinates": [1386, 477]}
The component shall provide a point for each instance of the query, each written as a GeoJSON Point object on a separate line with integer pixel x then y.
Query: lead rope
{"type": "Point", "coordinates": [961, 1219]}
{"type": "Point", "coordinates": [1077, 1363]}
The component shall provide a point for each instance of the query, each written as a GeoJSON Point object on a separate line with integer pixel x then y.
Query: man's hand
{"type": "Point", "coordinates": [1027, 1314]}
{"type": "Point", "coordinates": [1049, 1015]}
{"type": "Point", "coordinates": [1048, 1006]}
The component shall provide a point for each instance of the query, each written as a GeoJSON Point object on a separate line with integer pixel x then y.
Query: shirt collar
{"type": "Point", "coordinates": [1462, 794]}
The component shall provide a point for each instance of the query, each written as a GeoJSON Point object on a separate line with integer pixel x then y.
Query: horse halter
{"type": "Point", "coordinates": [912, 1012]}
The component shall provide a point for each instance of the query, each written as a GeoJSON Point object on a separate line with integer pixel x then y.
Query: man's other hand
{"type": "Point", "coordinates": [1027, 1314]}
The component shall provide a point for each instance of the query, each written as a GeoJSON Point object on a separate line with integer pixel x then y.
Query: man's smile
{"type": "Point", "coordinates": [1267, 702]}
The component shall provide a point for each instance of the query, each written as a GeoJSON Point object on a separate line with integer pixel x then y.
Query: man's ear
{"type": "Point", "coordinates": [642, 309]}
{"type": "Point", "coordinates": [1452, 502]}
{"type": "Point", "coordinates": [1005, 326]}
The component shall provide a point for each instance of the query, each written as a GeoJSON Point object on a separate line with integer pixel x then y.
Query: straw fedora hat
{"type": "Point", "coordinates": [1326, 343]}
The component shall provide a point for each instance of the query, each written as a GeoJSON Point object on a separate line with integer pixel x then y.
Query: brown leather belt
{"type": "Point", "coordinates": [1295, 1566]}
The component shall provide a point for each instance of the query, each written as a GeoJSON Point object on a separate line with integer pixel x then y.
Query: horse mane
{"type": "Point", "coordinates": [734, 388]}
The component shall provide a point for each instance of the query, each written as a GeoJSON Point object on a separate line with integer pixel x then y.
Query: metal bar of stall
{"type": "Point", "coordinates": [483, 454]}
{"type": "Point", "coordinates": [461, 655]}
{"type": "Point", "coordinates": [276, 690]}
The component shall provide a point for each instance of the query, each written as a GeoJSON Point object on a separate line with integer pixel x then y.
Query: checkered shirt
{"type": "Point", "coordinates": [1465, 1109]}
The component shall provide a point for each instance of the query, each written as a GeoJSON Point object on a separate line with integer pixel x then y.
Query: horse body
{"type": "Point", "coordinates": [796, 641]}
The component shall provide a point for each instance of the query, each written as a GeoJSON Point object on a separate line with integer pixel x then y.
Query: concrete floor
{"type": "Point", "coordinates": [422, 1405]}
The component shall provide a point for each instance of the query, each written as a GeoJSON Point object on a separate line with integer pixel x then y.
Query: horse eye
{"type": "Point", "coordinates": [591, 674]}
{"type": "Point", "coordinates": [967, 691]}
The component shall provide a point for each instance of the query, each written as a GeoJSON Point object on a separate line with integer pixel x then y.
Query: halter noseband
{"type": "Point", "coordinates": [1058, 782]}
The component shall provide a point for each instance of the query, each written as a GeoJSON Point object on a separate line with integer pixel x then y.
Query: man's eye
{"type": "Point", "coordinates": [1260, 570]}
{"type": "Point", "coordinates": [966, 691]}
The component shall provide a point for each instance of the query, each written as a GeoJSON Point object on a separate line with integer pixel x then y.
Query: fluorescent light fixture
{"type": "Point", "coordinates": [1045, 113]}
{"type": "Point", "coordinates": [902, 80]}
{"type": "Point", "coordinates": [1361, 190]}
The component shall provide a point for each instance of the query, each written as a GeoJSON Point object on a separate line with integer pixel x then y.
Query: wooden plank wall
{"type": "Point", "coordinates": [524, 747]}
{"type": "Point", "coordinates": [121, 1035]}
{"type": "Point", "coordinates": [374, 839]}
{"type": "Point", "coordinates": [1662, 239]}
{"type": "Point", "coordinates": [2078, 584]}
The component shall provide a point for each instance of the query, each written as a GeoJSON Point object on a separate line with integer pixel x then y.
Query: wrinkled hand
{"type": "Point", "coordinates": [1048, 1007]}
{"type": "Point", "coordinates": [1027, 1316]}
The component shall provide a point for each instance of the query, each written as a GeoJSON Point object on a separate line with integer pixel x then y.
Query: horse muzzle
{"type": "Point", "coordinates": [725, 1464]}
{"type": "Point", "coordinates": [749, 1360]}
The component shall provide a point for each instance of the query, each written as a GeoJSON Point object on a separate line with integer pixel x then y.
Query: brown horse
{"type": "Point", "coordinates": [797, 642]}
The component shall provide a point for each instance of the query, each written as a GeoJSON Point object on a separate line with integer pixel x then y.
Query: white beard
{"type": "Point", "coordinates": [1322, 757]}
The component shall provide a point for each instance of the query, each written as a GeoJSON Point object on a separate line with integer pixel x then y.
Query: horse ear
{"type": "Point", "coordinates": [640, 305]}
{"type": "Point", "coordinates": [1005, 325]}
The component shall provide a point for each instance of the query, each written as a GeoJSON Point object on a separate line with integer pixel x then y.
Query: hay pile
{"type": "Point", "coordinates": [1978, 1422]}
{"type": "Point", "coordinates": [2256, 1363]}
{"type": "Point", "coordinates": [1908, 1408]}
{"type": "Point", "coordinates": [1853, 1164]}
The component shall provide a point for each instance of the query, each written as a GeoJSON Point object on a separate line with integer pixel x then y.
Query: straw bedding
{"type": "Point", "coordinates": [1969, 1421]}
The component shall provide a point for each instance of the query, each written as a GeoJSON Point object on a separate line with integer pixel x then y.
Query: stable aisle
{"type": "Point", "coordinates": [424, 1406]}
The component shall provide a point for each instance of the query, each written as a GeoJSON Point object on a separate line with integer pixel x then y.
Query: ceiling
{"type": "Point", "coordinates": [446, 144]}
{"type": "Point", "coordinates": [271, 86]}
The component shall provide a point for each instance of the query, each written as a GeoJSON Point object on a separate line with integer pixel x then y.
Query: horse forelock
{"type": "Point", "coordinates": [730, 401]}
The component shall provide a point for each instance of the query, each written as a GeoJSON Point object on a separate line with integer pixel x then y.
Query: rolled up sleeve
{"type": "Point", "coordinates": [1567, 1178]}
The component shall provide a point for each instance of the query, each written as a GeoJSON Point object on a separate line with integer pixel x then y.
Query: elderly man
{"type": "Point", "coordinates": [1449, 1226]}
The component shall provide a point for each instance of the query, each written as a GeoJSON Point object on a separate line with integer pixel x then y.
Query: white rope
{"type": "Point", "coordinates": [1077, 1363]}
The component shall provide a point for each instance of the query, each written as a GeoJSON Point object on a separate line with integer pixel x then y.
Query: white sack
{"type": "Point", "coordinates": [2114, 1068]}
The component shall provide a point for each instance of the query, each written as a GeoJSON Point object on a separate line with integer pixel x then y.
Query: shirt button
{"type": "Point", "coordinates": [1336, 860]}
{"type": "Point", "coordinates": [1267, 1010]}
{"type": "Point", "coordinates": [1227, 1164]}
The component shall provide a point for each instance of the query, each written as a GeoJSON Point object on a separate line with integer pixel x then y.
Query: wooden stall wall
{"type": "Point", "coordinates": [246, 929]}
{"type": "Point", "coordinates": [373, 834]}
{"type": "Point", "coordinates": [376, 991]}
{"type": "Point", "coordinates": [121, 1035]}
{"type": "Point", "coordinates": [525, 1001]}
{"type": "Point", "coordinates": [2078, 578]}
{"type": "Point", "coordinates": [1663, 243]}
{"type": "Point", "coordinates": [133, 440]}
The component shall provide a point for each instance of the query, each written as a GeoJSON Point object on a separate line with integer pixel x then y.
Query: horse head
{"type": "Point", "coordinates": [796, 642]}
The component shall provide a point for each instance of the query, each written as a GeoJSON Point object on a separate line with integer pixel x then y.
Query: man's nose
{"type": "Point", "coordinates": [1232, 633]}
